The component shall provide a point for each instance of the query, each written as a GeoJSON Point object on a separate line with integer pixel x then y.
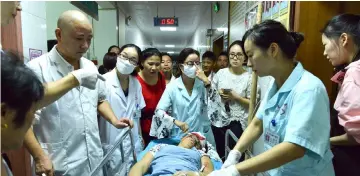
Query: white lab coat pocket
{"type": "Point", "coordinates": [57, 154]}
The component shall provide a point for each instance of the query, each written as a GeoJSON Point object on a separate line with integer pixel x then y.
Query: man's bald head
{"type": "Point", "coordinates": [73, 18]}
{"type": "Point", "coordinates": [74, 34]}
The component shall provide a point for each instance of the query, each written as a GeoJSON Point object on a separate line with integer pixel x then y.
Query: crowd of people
{"type": "Point", "coordinates": [68, 116]}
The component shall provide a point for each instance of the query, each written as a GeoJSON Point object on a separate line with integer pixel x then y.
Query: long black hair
{"type": "Point", "coordinates": [344, 23]}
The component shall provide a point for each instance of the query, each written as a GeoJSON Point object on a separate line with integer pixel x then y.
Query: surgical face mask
{"type": "Point", "coordinates": [124, 66]}
{"type": "Point", "coordinates": [189, 71]}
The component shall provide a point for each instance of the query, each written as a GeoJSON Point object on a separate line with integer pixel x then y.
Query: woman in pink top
{"type": "Point", "coordinates": [341, 38]}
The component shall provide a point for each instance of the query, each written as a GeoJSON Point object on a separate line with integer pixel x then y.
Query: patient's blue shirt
{"type": "Point", "coordinates": [169, 159]}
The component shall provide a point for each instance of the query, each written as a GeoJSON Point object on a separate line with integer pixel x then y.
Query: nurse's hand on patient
{"type": "Point", "coordinates": [43, 165]}
{"type": "Point", "coordinates": [87, 77]}
{"type": "Point", "coordinates": [233, 158]}
{"type": "Point", "coordinates": [123, 123]}
{"type": "Point", "coordinates": [230, 171]}
{"type": "Point", "coordinates": [182, 125]}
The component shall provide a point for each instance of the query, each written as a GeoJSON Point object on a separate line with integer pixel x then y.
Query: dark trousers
{"type": "Point", "coordinates": [219, 134]}
{"type": "Point", "coordinates": [346, 160]}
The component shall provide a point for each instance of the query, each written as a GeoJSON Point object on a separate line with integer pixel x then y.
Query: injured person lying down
{"type": "Point", "coordinates": [188, 158]}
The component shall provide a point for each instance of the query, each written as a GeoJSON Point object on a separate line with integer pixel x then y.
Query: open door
{"type": "Point", "coordinates": [218, 46]}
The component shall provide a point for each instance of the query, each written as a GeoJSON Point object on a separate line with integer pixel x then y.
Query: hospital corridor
{"type": "Point", "coordinates": [180, 88]}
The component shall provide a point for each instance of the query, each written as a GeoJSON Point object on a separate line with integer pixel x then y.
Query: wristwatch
{"type": "Point", "coordinates": [207, 85]}
{"type": "Point", "coordinates": [174, 120]}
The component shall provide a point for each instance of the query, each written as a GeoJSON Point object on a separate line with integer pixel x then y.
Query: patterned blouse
{"type": "Point", "coordinates": [241, 84]}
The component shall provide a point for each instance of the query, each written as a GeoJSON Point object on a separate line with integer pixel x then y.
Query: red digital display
{"type": "Point", "coordinates": [165, 21]}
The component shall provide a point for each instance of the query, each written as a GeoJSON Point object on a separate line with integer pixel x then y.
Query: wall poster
{"type": "Point", "coordinates": [34, 53]}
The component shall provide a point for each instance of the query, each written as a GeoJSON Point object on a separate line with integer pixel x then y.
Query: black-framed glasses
{"type": "Point", "coordinates": [131, 60]}
{"type": "Point", "coordinates": [192, 63]}
{"type": "Point", "coordinates": [238, 55]}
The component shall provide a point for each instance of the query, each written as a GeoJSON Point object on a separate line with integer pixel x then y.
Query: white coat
{"type": "Point", "coordinates": [124, 107]}
{"type": "Point", "coordinates": [67, 130]}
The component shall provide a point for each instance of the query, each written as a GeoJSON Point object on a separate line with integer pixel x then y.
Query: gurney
{"type": "Point", "coordinates": [247, 152]}
{"type": "Point", "coordinates": [101, 168]}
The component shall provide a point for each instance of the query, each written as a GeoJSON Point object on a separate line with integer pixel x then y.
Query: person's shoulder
{"type": "Point", "coordinates": [87, 63]}
{"type": "Point", "coordinates": [308, 81]}
{"type": "Point", "coordinates": [353, 72]}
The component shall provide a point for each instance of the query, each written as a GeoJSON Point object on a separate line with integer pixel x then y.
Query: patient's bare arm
{"type": "Point", "coordinates": [206, 161]}
{"type": "Point", "coordinates": [208, 168]}
{"type": "Point", "coordinates": [141, 167]}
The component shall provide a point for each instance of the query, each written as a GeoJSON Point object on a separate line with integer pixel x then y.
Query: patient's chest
{"type": "Point", "coordinates": [170, 159]}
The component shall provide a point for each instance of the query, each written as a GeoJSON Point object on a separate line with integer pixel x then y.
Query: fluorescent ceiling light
{"type": "Point", "coordinates": [169, 46]}
{"type": "Point", "coordinates": [222, 29]}
{"type": "Point", "coordinates": [167, 28]}
{"type": "Point", "coordinates": [171, 52]}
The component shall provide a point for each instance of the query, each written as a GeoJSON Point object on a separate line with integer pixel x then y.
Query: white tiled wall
{"type": "Point", "coordinates": [33, 22]}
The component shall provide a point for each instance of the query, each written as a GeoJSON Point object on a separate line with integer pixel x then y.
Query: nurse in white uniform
{"type": "Point", "coordinates": [294, 115]}
{"type": "Point", "coordinates": [125, 97]}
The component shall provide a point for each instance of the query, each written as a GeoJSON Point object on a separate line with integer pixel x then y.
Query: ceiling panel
{"type": "Point", "coordinates": [188, 12]}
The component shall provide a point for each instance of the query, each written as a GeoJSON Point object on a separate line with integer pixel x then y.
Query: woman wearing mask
{"type": "Point", "coordinates": [294, 115]}
{"type": "Point", "coordinates": [341, 38]}
{"type": "Point", "coordinates": [153, 85]}
{"type": "Point", "coordinates": [126, 99]}
{"type": "Point", "coordinates": [228, 100]}
{"type": "Point", "coordinates": [186, 96]}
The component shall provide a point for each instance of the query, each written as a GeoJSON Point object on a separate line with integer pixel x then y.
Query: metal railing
{"type": "Point", "coordinates": [228, 149]}
{"type": "Point", "coordinates": [117, 145]}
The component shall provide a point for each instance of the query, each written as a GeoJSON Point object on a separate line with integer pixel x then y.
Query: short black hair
{"type": "Point", "coordinates": [181, 59]}
{"type": "Point", "coordinates": [111, 47]}
{"type": "Point", "coordinates": [271, 31]}
{"type": "Point", "coordinates": [138, 51]}
{"type": "Point", "coordinates": [344, 23]}
{"type": "Point", "coordinates": [210, 55]}
{"type": "Point", "coordinates": [109, 60]}
{"type": "Point", "coordinates": [20, 87]}
{"type": "Point", "coordinates": [51, 44]}
{"type": "Point", "coordinates": [147, 53]}
{"type": "Point", "coordinates": [224, 53]}
{"type": "Point", "coordinates": [166, 54]}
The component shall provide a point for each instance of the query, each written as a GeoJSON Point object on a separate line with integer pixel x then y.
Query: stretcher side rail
{"type": "Point", "coordinates": [117, 145]}
{"type": "Point", "coordinates": [228, 134]}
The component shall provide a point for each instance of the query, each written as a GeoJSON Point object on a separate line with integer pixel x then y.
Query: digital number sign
{"type": "Point", "coordinates": [163, 21]}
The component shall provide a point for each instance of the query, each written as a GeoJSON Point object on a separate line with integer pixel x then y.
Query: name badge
{"type": "Point", "coordinates": [271, 138]}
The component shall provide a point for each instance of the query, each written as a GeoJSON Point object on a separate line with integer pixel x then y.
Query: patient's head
{"type": "Point", "coordinates": [193, 140]}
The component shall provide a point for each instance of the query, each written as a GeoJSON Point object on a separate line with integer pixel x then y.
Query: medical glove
{"type": "Point", "coordinates": [233, 158]}
{"type": "Point", "coordinates": [87, 77]}
{"type": "Point", "coordinates": [230, 171]}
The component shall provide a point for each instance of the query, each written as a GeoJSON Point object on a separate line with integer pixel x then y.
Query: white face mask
{"type": "Point", "coordinates": [190, 71]}
{"type": "Point", "coordinates": [124, 66]}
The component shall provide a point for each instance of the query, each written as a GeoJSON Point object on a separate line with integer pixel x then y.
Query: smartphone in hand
{"type": "Point", "coordinates": [226, 91]}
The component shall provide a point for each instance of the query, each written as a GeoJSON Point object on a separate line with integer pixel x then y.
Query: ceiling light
{"type": "Point", "coordinates": [167, 28]}
{"type": "Point", "coordinates": [222, 29]}
{"type": "Point", "coordinates": [171, 52]}
{"type": "Point", "coordinates": [169, 46]}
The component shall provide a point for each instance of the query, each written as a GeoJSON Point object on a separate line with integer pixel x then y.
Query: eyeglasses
{"type": "Point", "coordinates": [238, 55]}
{"type": "Point", "coordinates": [131, 60]}
{"type": "Point", "coordinates": [192, 63]}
